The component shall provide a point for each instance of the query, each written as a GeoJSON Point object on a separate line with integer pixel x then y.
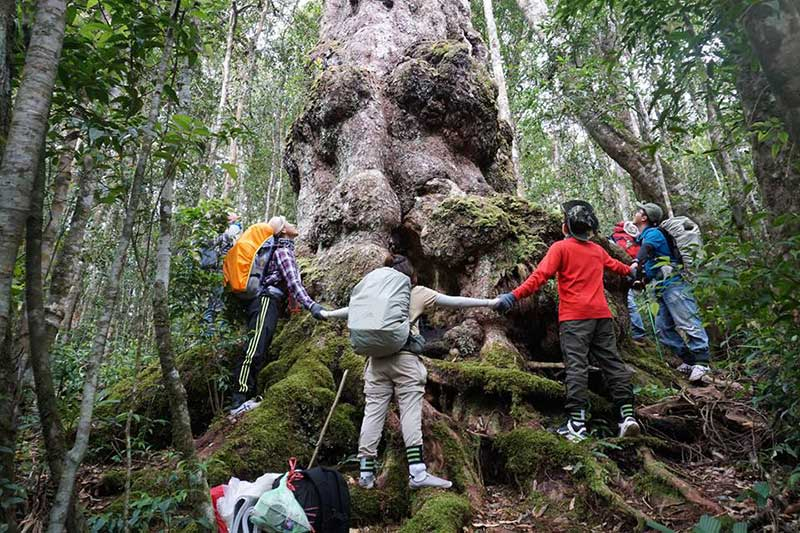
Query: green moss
{"type": "Point", "coordinates": [501, 357]}
{"type": "Point", "coordinates": [288, 420]}
{"type": "Point", "coordinates": [528, 452]}
{"type": "Point", "coordinates": [441, 512]}
{"type": "Point", "coordinates": [650, 367]}
{"type": "Point", "coordinates": [457, 456]}
{"type": "Point", "coordinates": [652, 487]}
{"type": "Point", "coordinates": [202, 368]}
{"type": "Point", "coordinates": [516, 383]}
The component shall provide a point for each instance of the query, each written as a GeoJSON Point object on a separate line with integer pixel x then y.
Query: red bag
{"type": "Point", "coordinates": [625, 240]}
{"type": "Point", "coordinates": [217, 493]}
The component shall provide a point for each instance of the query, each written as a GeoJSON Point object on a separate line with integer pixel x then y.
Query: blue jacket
{"type": "Point", "coordinates": [654, 249]}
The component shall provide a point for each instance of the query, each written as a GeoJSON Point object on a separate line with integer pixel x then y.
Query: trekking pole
{"type": "Point", "coordinates": [327, 420]}
{"type": "Point", "coordinates": [652, 323]}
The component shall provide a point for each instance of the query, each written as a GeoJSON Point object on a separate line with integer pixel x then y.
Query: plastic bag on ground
{"type": "Point", "coordinates": [238, 489]}
{"type": "Point", "coordinates": [278, 511]}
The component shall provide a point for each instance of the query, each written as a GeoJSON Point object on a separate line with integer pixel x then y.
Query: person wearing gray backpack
{"type": "Point", "coordinates": [662, 259]}
{"type": "Point", "coordinates": [383, 315]}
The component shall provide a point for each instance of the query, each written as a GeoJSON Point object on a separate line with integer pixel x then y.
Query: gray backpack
{"type": "Point", "coordinates": [378, 314]}
{"type": "Point", "coordinates": [686, 238]}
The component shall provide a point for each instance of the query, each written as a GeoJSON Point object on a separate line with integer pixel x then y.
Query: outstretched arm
{"type": "Point", "coordinates": [340, 313]}
{"type": "Point", "coordinates": [460, 302]}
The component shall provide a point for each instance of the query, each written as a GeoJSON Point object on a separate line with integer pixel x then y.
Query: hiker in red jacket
{"type": "Point", "coordinates": [624, 236]}
{"type": "Point", "coordinates": [586, 325]}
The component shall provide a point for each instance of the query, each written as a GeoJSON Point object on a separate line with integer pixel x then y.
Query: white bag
{"type": "Point", "coordinates": [238, 489]}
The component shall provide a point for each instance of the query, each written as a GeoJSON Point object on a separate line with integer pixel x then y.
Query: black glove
{"type": "Point", "coordinates": [316, 311]}
{"type": "Point", "coordinates": [505, 301]}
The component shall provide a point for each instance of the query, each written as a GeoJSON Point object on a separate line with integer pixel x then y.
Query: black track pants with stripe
{"type": "Point", "coordinates": [262, 317]}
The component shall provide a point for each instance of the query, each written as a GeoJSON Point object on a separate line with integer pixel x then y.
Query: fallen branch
{"type": "Point", "coordinates": [689, 492]}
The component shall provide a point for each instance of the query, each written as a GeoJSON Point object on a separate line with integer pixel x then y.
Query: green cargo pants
{"type": "Point", "coordinates": [595, 337]}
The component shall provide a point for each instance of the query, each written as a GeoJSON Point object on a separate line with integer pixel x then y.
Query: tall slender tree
{"type": "Point", "coordinates": [111, 288]}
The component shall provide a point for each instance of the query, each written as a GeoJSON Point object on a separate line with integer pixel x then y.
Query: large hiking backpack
{"type": "Point", "coordinates": [323, 495]}
{"type": "Point", "coordinates": [684, 239]}
{"type": "Point", "coordinates": [378, 314]}
{"type": "Point", "coordinates": [246, 261]}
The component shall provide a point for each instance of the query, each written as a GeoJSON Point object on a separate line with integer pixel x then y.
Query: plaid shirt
{"type": "Point", "coordinates": [282, 272]}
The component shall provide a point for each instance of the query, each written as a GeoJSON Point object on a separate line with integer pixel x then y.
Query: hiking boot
{"type": "Point", "coordinates": [698, 371]}
{"type": "Point", "coordinates": [428, 480]}
{"type": "Point", "coordinates": [237, 399]}
{"type": "Point", "coordinates": [683, 368]}
{"type": "Point", "coordinates": [573, 430]}
{"type": "Point", "coordinates": [249, 405]}
{"type": "Point", "coordinates": [366, 481]}
{"type": "Point", "coordinates": [629, 428]}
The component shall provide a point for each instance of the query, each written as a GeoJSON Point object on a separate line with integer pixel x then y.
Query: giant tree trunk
{"type": "Point", "coordinates": [25, 139]}
{"type": "Point", "coordinates": [400, 147]}
{"type": "Point", "coordinates": [773, 27]}
{"type": "Point", "coordinates": [110, 292]}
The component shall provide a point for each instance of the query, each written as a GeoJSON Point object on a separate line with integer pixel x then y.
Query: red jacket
{"type": "Point", "coordinates": [579, 266]}
{"type": "Point", "coordinates": [625, 240]}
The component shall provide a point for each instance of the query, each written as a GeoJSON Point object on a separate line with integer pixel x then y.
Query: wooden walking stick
{"type": "Point", "coordinates": [327, 420]}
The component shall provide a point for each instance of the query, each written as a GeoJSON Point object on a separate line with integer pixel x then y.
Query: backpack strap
{"type": "Point", "coordinates": [674, 252]}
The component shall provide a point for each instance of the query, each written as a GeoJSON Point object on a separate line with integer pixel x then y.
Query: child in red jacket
{"type": "Point", "coordinates": [585, 320]}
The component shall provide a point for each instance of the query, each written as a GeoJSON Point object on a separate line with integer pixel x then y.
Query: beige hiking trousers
{"type": "Point", "coordinates": [404, 376]}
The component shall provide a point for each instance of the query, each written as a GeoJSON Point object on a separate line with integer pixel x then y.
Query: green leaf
{"type": "Point", "coordinates": [659, 527]}
{"type": "Point", "coordinates": [231, 169]}
{"type": "Point", "coordinates": [708, 524]}
{"type": "Point", "coordinates": [740, 527]}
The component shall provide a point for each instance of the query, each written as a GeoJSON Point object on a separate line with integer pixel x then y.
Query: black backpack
{"type": "Point", "coordinates": [323, 495]}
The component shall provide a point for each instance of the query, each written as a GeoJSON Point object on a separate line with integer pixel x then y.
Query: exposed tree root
{"type": "Point", "coordinates": [660, 470]}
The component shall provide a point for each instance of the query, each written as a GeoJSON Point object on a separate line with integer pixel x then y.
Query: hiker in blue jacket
{"type": "Point", "coordinates": [677, 310]}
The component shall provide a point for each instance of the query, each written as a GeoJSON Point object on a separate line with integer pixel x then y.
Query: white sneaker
{"type": "Point", "coordinates": [249, 405]}
{"type": "Point", "coordinates": [573, 431]}
{"type": "Point", "coordinates": [684, 369]}
{"type": "Point", "coordinates": [428, 480]}
{"type": "Point", "coordinates": [698, 371]}
{"type": "Point", "coordinates": [629, 428]}
{"type": "Point", "coordinates": [366, 481]}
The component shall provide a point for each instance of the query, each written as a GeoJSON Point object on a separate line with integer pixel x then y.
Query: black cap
{"type": "Point", "coordinates": [580, 219]}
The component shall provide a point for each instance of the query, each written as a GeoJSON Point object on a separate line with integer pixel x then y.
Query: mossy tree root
{"type": "Point", "coordinates": [658, 469]}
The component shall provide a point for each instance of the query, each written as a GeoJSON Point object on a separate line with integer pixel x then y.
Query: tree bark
{"type": "Point", "coordinates": [211, 156]}
{"type": "Point", "coordinates": [179, 410]}
{"type": "Point", "coordinates": [630, 153]}
{"type": "Point", "coordinates": [110, 292]}
{"type": "Point", "coordinates": [243, 101]}
{"type": "Point", "coordinates": [58, 204]}
{"type": "Point", "coordinates": [25, 139]}
{"type": "Point", "coordinates": [46, 403]}
{"type": "Point", "coordinates": [181, 422]}
{"type": "Point", "coordinates": [503, 107]}
{"type": "Point", "coordinates": [776, 164]}
{"type": "Point", "coordinates": [773, 27]}
{"type": "Point", "coordinates": [8, 14]}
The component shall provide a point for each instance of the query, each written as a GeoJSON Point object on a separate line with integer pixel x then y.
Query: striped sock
{"type": "Point", "coordinates": [367, 465]}
{"type": "Point", "coordinates": [578, 416]}
{"type": "Point", "coordinates": [626, 410]}
{"type": "Point", "coordinates": [414, 455]}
